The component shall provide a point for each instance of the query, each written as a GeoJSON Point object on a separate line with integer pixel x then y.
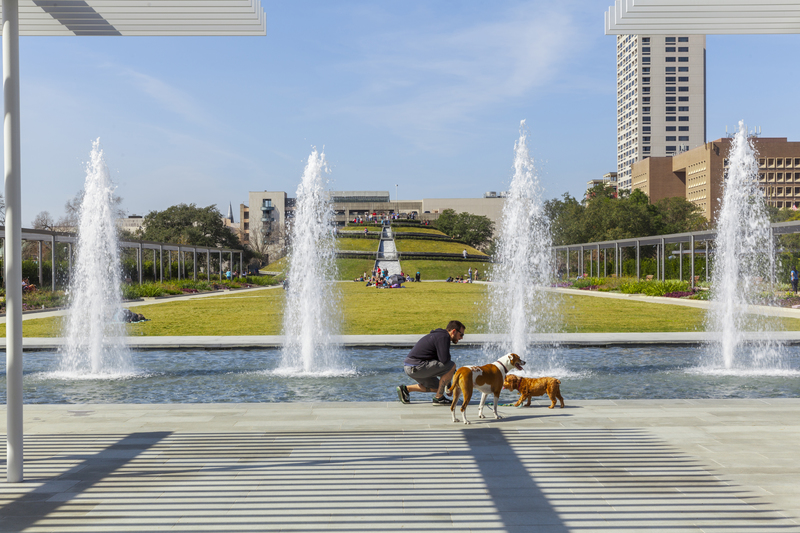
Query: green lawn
{"type": "Point", "coordinates": [358, 245]}
{"type": "Point", "coordinates": [438, 270]}
{"type": "Point", "coordinates": [421, 229]}
{"type": "Point", "coordinates": [415, 309]}
{"type": "Point", "coordinates": [443, 247]}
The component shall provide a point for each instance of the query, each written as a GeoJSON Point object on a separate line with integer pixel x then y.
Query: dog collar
{"type": "Point", "coordinates": [505, 370]}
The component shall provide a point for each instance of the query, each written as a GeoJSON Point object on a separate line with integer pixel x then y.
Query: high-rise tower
{"type": "Point", "coordinates": [661, 98]}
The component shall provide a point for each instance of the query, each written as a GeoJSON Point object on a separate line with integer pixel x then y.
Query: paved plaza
{"type": "Point", "coordinates": [596, 466]}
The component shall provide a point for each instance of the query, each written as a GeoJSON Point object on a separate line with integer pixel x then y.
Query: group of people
{"type": "Point", "coordinates": [467, 279]}
{"type": "Point", "coordinates": [382, 279]}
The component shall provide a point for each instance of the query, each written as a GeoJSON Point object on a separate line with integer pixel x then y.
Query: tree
{"type": "Point", "coordinates": [72, 211]}
{"type": "Point", "coordinates": [44, 220]}
{"type": "Point", "coordinates": [446, 221]}
{"type": "Point", "coordinates": [189, 224]}
{"type": "Point", "coordinates": [678, 215]}
{"type": "Point", "coordinates": [474, 230]}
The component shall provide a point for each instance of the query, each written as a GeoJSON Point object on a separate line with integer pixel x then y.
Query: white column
{"type": "Point", "coordinates": [13, 239]}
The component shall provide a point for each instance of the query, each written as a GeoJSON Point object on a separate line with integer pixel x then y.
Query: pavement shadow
{"type": "Point", "coordinates": [478, 479]}
{"type": "Point", "coordinates": [86, 461]}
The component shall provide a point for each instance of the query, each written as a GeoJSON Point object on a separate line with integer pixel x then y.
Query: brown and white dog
{"type": "Point", "coordinates": [487, 379]}
{"type": "Point", "coordinates": [529, 387]}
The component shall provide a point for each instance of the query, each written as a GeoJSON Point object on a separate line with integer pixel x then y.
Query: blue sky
{"type": "Point", "coordinates": [424, 94]}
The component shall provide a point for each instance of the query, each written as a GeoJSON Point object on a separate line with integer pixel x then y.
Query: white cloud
{"type": "Point", "coordinates": [432, 79]}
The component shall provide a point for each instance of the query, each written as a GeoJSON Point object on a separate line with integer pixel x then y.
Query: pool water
{"type": "Point", "coordinates": [205, 376]}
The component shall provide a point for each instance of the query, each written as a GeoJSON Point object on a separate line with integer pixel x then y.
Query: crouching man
{"type": "Point", "coordinates": [429, 364]}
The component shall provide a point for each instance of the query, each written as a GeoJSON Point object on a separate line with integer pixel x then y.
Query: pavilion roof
{"type": "Point", "coordinates": [141, 17]}
{"type": "Point", "coordinates": [660, 17]}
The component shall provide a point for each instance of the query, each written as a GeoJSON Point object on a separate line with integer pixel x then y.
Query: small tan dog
{"type": "Point", "coordinates": [529, 387]}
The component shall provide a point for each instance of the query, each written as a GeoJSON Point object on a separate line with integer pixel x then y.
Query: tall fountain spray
{"type": "Point", "coordinates": [310, 317]}
{"type": "Point", "coordinates": [741, 268]}
{"type": "Point", "coordinates": [519, 305]}
{"type": "Point", "coordinates": [95, 333]}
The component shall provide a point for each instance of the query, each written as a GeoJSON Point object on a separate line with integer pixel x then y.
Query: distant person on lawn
{"type": "Point", "coordinates": [429, 364]}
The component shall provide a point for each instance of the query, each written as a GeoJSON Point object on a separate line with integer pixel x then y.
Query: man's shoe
{"type": "Point", "coordinates": [444, 400]}
{"type": "Point", "coordinates": [402, 393]}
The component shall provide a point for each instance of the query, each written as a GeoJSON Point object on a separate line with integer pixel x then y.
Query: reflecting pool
{"type": "Point", "coordinates": [205, 376]}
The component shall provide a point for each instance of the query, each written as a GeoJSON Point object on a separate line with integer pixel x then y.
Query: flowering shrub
{"type": "Point", "coordinates": [679, 294]}
{"type": "Point", "coordinates": [589, 288]}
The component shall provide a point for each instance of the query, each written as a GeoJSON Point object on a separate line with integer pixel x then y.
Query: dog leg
{"type": "Point", "coordinates": [529, 401]}
{"type": "Point", "coordinates": [496, 401]}
{"type": "Point", "coordinates": [519, 402]}
{"type": "Point", "coordinates": [480, 407]}
{"type": "Point", "coordinates": [552, 400]}
{"type": "Point", "coordinates": [464, 404]}
{"type": "Point", "coordinates": [456, 392]}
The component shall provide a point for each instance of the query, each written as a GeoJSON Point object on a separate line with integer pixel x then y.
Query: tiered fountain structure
{"type": "Point", "coordinates": [95, 332]}
{"type": "Point", "coordinates": [742, 267]}
{"type": "Point", "coordinates": [519, 304]}
{"type": "Point", "coordinates": [311, 318]}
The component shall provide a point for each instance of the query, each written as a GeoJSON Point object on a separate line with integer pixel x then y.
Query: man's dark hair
{"type": "Point", "coordinates": [455, 324]}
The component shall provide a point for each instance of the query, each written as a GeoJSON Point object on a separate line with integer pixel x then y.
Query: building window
{"type": "Point", "coordinates": [645, 89]}
{"type": "Point", "coordinates": [668, 59]}
{"type": "Point", "coordinates": [683, 49]}
{"type": "Point", "coordinates": [670, 70]}
{"type": "Point", "coordinates": [670, 128]}
{"type": "Point", "coordinates": [670, 49]}
{"type": "Point", "coordinates": [646, 139]}
{"type": "Point", "coordinates": [645, 59]}
{"type": "Point", "coordinates": [670, 89]}
{"type": "Point", "coordinates": [683, 108]}
{"type": "Point", "coordinates": [645, 49]}
{"type": "Point", "coordinates": [683, 69]}
{"type": "Point", "coordinates": [645, 110]}
{"type": "Point", "coordinates": [684, 138]}
{"type": "Point", "coordinates": [682, 99]}
{"type": "Point", "coordinates": [670, 99]}
{"type": "Point", "coordinates": [645, 40]}
{"type": "Point", "coordinates": [683, 60]}
{"type": "Point", "coordinates": [683, 89]}
{"type": "Point", "coordinates": [670, 119]}
{"type": "Point", "coordinates": [646, 129]}
{"type": "Point", "coordinates": [646, 119]}
{"type": "Point", "coordinates": [671, 148]}
{"type": "Point", "coordinates": [645, 80]}
{"type": "Point", "coordinates": [669, 39]}
{"type": "Point", "coordinates": [683, 119]}
{"type": "Point", "coordinates": [646, 100]}
{"type": "Point", "coordinates": [670, 79]}
{"type": "Point", "coordinates": [684, 79]}
{"type": "Point", "coordinates": [645, 70]}
{"type": "Point", "coordinates": [670, 109]}
{"type": "Point", "coordinates": [683, 128]}
{"type": "Point", "coordinates": [683, 39]}
{"type": "Point", "coordinates": [670, 138]}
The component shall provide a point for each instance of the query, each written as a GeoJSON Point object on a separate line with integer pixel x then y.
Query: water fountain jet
{"type": "Point", "coordinates": [95, 332]}
{"type": "Point", "coordinates": [742, 266]}
{"type": "Point", "coordinates": [519, 304]}
{"type": "Point", "coordinates": [311, 318]}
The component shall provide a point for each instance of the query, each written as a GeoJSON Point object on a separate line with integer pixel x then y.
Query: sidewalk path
{"type": "Point", "coordinates": [593, 467]}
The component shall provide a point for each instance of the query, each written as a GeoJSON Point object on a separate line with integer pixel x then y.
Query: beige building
{"type": "Point", "coordinates": [697, 175]}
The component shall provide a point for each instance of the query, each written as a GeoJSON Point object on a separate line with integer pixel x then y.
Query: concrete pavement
{"type": "Point", "coordinates": [596, 466]}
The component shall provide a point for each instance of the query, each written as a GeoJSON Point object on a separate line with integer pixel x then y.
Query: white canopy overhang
{"type": "Point", "coordinates": [703, 17]}
{"type": "Point", "coordinates": [84, 18]}
{"type": "Point", "coordinates": [141, 17]}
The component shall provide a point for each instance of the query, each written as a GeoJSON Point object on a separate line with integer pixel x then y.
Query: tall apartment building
{"type": "Point", "coordinates": [661, 98]}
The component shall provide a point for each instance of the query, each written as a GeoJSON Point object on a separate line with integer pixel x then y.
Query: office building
{"type": "Point", "coordinates": [661, 104]}
{"type": "Point", "coordinates": [698, 174]}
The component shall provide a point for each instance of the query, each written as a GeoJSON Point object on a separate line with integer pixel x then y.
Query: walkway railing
{"type": "Point", "coordinates": [158, 248]}
{"type": "Point", "coordinates": [660, 242]}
